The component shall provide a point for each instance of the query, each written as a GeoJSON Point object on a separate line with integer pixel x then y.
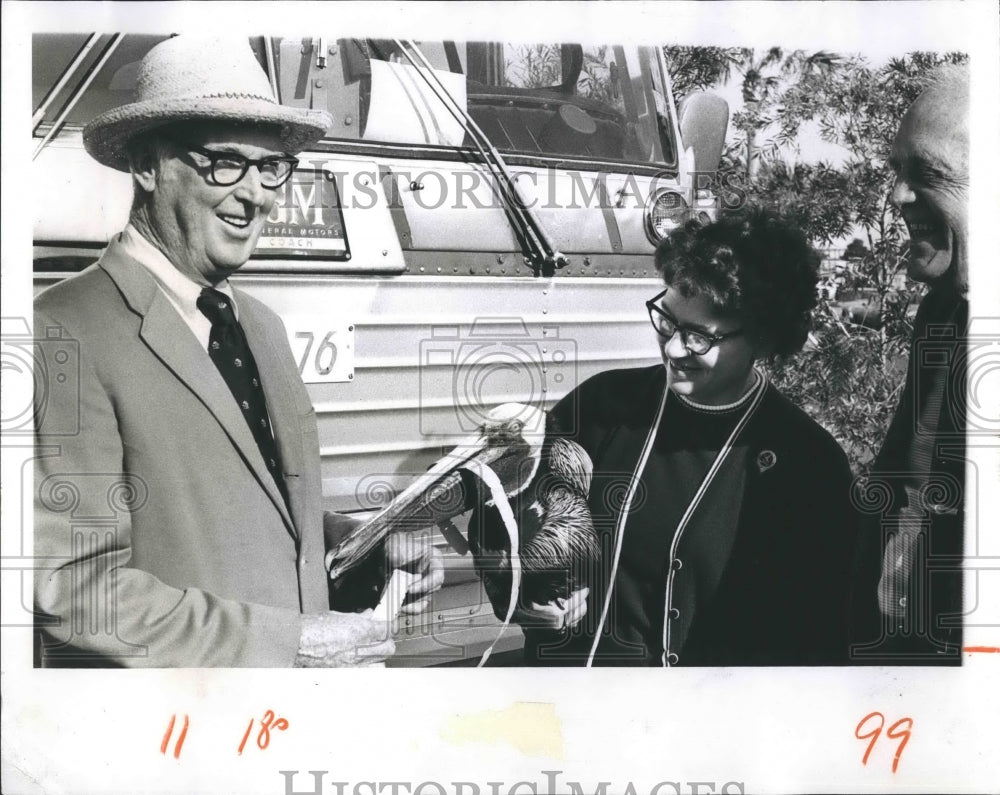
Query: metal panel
{"type": "Point", "coordinates": [93, 200]}
{"type": "Point", "coordinates": [452, 207]}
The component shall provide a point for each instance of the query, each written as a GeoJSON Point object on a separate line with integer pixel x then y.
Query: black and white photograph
{"type": "Point", "coordinates": [402, 338]}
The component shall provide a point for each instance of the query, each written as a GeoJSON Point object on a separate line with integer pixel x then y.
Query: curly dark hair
{"type": "Point", "coordinates": [753, 264]}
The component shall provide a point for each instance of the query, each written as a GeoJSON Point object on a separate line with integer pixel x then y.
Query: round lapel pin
{"type": "Point", "coordinates": [765, 460]}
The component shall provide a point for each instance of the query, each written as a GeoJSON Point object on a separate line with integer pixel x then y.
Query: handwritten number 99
{"type": "Point", "coordinates": [900, 730]}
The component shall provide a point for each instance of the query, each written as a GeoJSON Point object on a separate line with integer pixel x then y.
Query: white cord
{"type": "Point", "coordinates": [489, 477]}
{"type": "Point", "coordinates": [620, 524]}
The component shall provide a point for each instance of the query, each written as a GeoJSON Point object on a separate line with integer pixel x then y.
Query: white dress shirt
{"type": "Point", "coordinates": [181, 291]}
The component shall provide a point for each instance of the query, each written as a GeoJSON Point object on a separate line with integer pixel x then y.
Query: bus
{"type": "Point", "coordinates": [477, 228]}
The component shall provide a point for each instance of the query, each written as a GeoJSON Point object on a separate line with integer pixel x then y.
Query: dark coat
{"type": "Point", "coordinates": [782, 591]}
{"type": "Point", "coordinates": [932, 631]}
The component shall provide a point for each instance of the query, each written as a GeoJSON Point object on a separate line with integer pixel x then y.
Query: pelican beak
{"type": "Point", "coordinates": [509, 443]}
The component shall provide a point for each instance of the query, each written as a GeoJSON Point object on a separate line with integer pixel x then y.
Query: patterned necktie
{"type": "Point", "coordinates": [228, 348]}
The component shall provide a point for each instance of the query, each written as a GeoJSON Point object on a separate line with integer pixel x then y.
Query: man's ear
{"type": "Point", "coordinates": [144, 162]}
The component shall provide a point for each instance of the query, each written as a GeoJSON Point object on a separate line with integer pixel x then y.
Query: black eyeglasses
{"type": "Point", "coordinates": [228, 168]}
{"type": "Point", "coordinates": [696, 342]}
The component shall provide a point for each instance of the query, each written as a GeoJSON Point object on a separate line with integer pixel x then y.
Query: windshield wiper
{"type": "Point", "coordinates": [64, 78]}
{"type": "Point", "coordinates": [536, 244]}
{"type": "Point", "coordinates": [78, 90]}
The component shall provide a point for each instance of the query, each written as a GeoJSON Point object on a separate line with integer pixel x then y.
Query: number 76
{"type": "Point", "coordinates": [326, 353]}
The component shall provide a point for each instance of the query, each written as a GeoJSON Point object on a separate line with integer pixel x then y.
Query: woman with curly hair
{"type": "Point", "coordinates": [723, 509]}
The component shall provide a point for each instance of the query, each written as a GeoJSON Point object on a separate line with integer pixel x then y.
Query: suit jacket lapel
{"type": "Point", "coordinates": [171, 340]}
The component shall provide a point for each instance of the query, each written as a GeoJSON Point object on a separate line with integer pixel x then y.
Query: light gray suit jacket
{"type": "Point", "coordinates": [164, 538]}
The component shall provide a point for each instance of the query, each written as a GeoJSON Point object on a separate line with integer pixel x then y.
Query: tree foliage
{"type": "Point", "coordinates": [698, 68]}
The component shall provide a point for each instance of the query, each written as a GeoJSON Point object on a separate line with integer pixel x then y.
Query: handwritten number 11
{"type": "Point", "coordinates": [893, 733]}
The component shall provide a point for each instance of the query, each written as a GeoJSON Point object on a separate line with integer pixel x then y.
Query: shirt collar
{"type": "Point", "coordinates": [742, 401]}
{"type": "Point", "coordinates": [182, 291]}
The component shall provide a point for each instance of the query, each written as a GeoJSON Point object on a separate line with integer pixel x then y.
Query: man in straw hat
{"type": "Point", "coordinates": [183, 523]}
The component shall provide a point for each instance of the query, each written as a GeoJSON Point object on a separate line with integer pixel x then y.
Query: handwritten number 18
{"type": "Point", "coordinates": [264, 735]}
{"type": "Point", "coordinates": [900, 730]}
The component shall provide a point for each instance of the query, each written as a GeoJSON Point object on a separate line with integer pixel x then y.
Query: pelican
{"type": "Point", "coordinates": [516, 467]}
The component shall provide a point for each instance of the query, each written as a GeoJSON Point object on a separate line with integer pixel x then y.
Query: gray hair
{"type": "Point", "coordinates": [948, 89]}
{"type": "Point", "coordinates": [951, 78]}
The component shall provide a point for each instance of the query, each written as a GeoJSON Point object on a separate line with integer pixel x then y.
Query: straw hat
{"type": "Point", "coordinates": [188, 78]}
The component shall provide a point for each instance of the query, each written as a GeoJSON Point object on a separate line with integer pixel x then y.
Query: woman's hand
{"type": "Point", "coordinates": [554, 616]}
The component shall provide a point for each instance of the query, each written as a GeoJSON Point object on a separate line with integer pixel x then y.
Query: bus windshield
{"type": "Point", "coordinates": [597, 102]}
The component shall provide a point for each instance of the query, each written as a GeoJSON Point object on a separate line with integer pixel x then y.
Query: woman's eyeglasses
{"type": "Point", "coordinates": [696, 342]}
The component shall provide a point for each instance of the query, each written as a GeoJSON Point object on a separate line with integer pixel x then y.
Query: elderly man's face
{"type": "Point", "coordinates": [930, 156]}
{"type": "Point", "coordinates": [208, 230]}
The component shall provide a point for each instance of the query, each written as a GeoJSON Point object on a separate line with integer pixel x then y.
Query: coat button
{"type": "Point", "coordinates": [676, 564]}
{"type": "Point", "coordinates": [672, 659]}
{"type": "Point", "coordinates": [674, 613]}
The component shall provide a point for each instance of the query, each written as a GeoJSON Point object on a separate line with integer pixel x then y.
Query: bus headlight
{"type": "Point", "coordinates": [665, 211]}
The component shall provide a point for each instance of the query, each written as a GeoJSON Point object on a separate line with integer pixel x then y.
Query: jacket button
{"type": "Point", "coordinates": [674, 613]}
{"type": "Point", "coordinates": [672, 659]}
{"type": "Point", "coordinates": [676, 564]}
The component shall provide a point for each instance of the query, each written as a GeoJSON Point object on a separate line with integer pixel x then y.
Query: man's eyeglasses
{"type": "Point", "coordinates": [696, 342]}
{"type": "Point", "coordinates": [228, 168]}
